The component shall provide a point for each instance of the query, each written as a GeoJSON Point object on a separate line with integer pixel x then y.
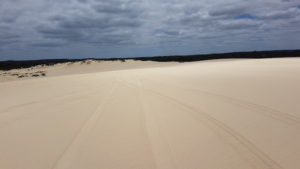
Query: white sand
{"type": "Point", "coordinates": [71, 68]}
{"type": "Point", "coordinates": [239, 114]}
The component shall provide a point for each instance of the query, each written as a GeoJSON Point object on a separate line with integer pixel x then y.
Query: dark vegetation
{"type": "Point", "coordinates": [8, 65]}
{"type": "Point", "coordinates": [22, 75]}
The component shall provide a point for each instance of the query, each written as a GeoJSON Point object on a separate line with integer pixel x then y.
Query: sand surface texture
{"type": "Point", "coordinates": [236, 114]}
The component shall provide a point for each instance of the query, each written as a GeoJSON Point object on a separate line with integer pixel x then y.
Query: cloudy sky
{"type": "Point", "coordinates": [38, 29]}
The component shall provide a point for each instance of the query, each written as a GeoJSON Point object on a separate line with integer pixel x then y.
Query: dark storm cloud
{"type": "Point", "coordinates": [103, 23]}
{"type": "Point", "coordinates": [98, 23]}
{"type": "Point", "coordinates": [83, 1]}
{"type": "Point", "coordinates": [9, 18]}
{"type": "Point", "coordinates": [109, 39]}
{"type": "Point", "coordinates": [118, 9]}
{"type": "Point", "coordinates": [166, 32]}
{"type": "Point", "coordinates": [58, 33]}
{"type": "Point", "coordinates": [228, 11]}
{"type": "Point", "coordinates": [48, 44]}
{"type": "Point", "coordinates": [240, 24]}
{"type": "Point", "coordinates": [281, 14]}
{"type": "Point", "coordinates": [6, 39]}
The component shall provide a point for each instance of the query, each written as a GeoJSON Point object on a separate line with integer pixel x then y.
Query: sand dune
{"type": "Point", "coordinates": [235, 114]}
{"type": "Point", "coordinates": [75, 68]}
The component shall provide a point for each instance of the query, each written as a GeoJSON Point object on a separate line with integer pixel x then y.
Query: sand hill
{"type": "Point", "coordinates": [222, 114]}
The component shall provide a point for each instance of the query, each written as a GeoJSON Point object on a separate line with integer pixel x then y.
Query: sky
{"type": "Point", "coordinates": [50, 29]}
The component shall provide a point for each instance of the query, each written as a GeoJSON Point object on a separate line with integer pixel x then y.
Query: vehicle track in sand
{"type": "Point", "coordinates": [45, 100]}
{"type": "Point", "coordinates": [161, 148]}
{"type": "Point", "coordinates": [12, 117]}
{"type": "Point", "coordinates": [283, 117]}
{"type": "Point", "coordinates": [73, 149]}
{"type": "Point", "coordinates": [247, 150]}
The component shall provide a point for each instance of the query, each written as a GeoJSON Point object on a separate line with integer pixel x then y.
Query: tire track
{"type": "Point", "coordinates": [161, 149]}
{"type": "Point", "coordinates": [9, 118]}
{"type": "Point", "coordinates": [247, 150]}
{"type": "Point", "coordinates": [286, 118]}
{"type": "Point", "coordinates": [267, 111]}
{"type": "Point", "coordinates": [69, 155]}
{"type": "Point", "coordinates": [48, 99]}
{"type": "Point", "coordinates": [45, 100]}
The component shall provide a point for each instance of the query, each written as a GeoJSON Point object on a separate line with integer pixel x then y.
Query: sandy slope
{"type": "Point", "coordinates": [241, 114]}
{"type": "Point", "coordinates": [80, 67]}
